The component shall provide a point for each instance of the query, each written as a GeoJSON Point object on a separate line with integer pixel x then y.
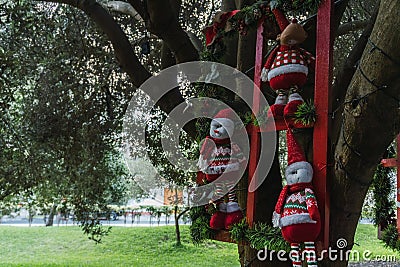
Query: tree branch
{"type": "Point", "coordinates": [127, 9]}
{"type": "Point", "coordinates": [346, 73]}
{"type": "Point", "coordinates": [310, 25]}
{"type": "Point", "coordinates": [124, 8]}
{"type": "Point", "coordinates": [125, 54]}
{"type": "Point", "coordinates": [138, 6]}
{"type": "Point", "coordinates": [123, 50]}
{"type": "Point", "coordinates": [351, 27]}
{"type": "Point", "coordinates": [163, 23]}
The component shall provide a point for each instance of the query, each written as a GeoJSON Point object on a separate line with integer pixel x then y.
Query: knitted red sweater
{"type": "Point", "coordinates": [223, 157]}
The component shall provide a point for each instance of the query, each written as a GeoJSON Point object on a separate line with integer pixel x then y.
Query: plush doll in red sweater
{"type": "Point", "coordinates": [296, 211]}
{"type": "Point", "coordinates": [287, 67]}
{"type": "Point", "coordinates": [217, 156]}
{"type": "Point", "coordinates": [220, 23]}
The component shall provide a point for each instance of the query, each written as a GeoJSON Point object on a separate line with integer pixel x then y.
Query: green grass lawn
{"type": "Point", "coordinates": [366, 239]}
{"type": "Point", "coordinates": [137, 246]}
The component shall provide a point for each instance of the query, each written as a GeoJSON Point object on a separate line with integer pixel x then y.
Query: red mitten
{"type": "Point", "coordinates": [312, 205]}
{"type": "Point", "coordinates": [290, 114]}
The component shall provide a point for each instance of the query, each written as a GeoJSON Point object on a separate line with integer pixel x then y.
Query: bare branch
{"type": "Point", "coordinates": [138, 6]}
{"type": "Point", "coordinates": [351, 27]}
{"type": "Point", "coordinates": [195, 41]}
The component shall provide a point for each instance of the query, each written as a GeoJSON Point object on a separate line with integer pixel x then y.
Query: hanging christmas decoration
{"type": "Point", "coordinates": [221, 25]}
{"type": "Point", "coordinates": [296, 211]}
{"type": "Point", "coordinates": [219, 156]}
{"type": "Point", "coordinates": [226, 24]}
{"type": "Point", "coordinates": [287, 68]}
{"type": "Point", "coordinates": [249, 16]}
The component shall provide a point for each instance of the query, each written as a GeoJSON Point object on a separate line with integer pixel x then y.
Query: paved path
{"type": "Point", "coordinates": [143, 222]}
{"type": "Point", "coordinates": [375, 264]}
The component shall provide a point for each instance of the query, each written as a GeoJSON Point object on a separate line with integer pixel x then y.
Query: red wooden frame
{"type": "Point", "coordinates": [254, 133]}
{"type": "Point", "coordinates": [323, 106]}
{"type": "Point", "coordinates": [322, 101]}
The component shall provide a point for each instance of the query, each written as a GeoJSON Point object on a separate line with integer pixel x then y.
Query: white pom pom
{"type": "Point", "coordinates": [276, 218]}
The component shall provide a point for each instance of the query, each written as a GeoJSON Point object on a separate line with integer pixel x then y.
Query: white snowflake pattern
{"type": "Point", "coordinates": [296, 197]}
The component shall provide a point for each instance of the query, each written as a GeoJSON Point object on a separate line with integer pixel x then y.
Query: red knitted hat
{"type": "Point", "coordinates": [226, 113]}
{"type": "Point", "coordinates": [280, 18]}
{"type": "Point", "coordinates": [295, 153]}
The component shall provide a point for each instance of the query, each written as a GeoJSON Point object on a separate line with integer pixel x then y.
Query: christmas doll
{"type": "Point", "coordinates": [287, 67]}
{"type": "Point", "coordinates": [296, 211]}
{"type": "Point", "coordinates": [219, 156]}
{"type": "Point", "coordinates": [220, 23]}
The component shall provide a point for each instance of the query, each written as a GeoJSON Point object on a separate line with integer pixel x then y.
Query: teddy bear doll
{"type": "Point", "coordinates": [217, 156]}
{"type": "Point", "coordinates": [296, 211]}
{"type": "Point", "coordinates": [287, 67]}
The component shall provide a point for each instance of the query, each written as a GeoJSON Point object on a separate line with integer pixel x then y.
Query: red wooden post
{"type": "Point", "coordinates": [323, 80]}
{"type": "Point", "coordinates": [254, 134]}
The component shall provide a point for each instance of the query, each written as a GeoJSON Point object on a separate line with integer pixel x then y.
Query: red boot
{"type": "Point", "coordinates": [217, 221]}
{"type": "Point", "coordinates": [275, 111]}
{"type": "Point", "coordinates": [234, 215]}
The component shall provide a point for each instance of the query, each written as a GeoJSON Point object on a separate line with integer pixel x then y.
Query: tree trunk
{"type": "Point", "coordinates": [177, 218]}
{"type": "Point", "coordinates": [50, 220]}
{"type": "Point", "coordinates": [177, 230]}
{"type": "Point", "coordinates": [359, 149]}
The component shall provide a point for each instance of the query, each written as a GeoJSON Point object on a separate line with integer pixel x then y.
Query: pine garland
{"type": "Point", "coordinates": [382, 189]}
{"type": "Point", "coordinates": [200, 229]}
{"type": "Point", "coordinates": [239, 231]}
{"type": "Point", "coordinates": [390, 237]}
{"type": "Point", "coordinates": [248, 16]}
{"type": "Point", "coordinates": [306, 113]}
{"type": "Point", "coordinates": [260, 236]}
